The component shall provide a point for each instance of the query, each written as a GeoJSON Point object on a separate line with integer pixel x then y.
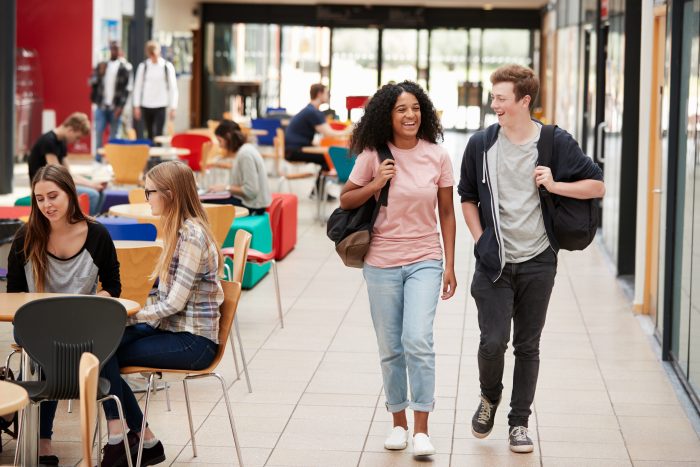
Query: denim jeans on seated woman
{"type": "Point", "coordinates": [402, 302]}
{"type": "Point", "coordinates": [143, 345]}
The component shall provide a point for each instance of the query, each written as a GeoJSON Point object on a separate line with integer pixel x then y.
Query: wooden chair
{"type": "Point", "coordinates": [127, 161]}
{"type": "Point", "coordinates": [241, 245]}
{"type": "Point", "coordinates": [232, 294]}
{"type": "Point", "coordinates": [137, 195]}
{"type": "Point", "coordinates": [88, 374]}
{"type": "Point", "coordinates": [136, 264]}
{"type": "Point", "coordinates": [221, 217]}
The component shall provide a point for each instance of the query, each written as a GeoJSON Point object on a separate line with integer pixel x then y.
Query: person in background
{"type": "Point", "coordinates": [249, 186]}
{"type": "Point", "coordinates": [111, 85]}
{"type": "Point", "coordinates": [155, 91]}
{"type": "Point", "coordinates": [303, 127]}
{"type": "Point", "coordinates": [60, 250]}
{"type": "Point", "coordinates": [404, 268]}
{"type": "Point", "coordinates": [180, 328]}
{"type": "Point", "coordinates": [52, 148]}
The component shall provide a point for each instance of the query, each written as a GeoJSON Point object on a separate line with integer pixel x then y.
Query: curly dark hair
{"type": "Point", "coordinates": [375, 129]}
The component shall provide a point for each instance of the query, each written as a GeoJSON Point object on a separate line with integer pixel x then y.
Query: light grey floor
{"type": "Point", "coordinates": [603, 397]}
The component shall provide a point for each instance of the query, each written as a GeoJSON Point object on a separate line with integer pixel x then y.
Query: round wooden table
{"type": "Point", "coordinates": [12, 397]}
{"type": "Point", "coordinates": [142, 211]}
{"type": "Point", "coordinates": [10, 302]}
{"type": "Point", "coordinates": [163, 153]}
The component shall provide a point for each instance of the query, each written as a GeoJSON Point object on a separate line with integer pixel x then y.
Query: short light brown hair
{"type": "Point", "coordinates": [152, 47]}
{"type": "Point", "coordinates": [316, 89]}
{"type": "Point", "coordinates": [79, 122]}
{"type": "Point", "coordinates": [525, 82]}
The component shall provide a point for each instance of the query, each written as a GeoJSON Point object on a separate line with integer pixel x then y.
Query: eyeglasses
{"type": "Point", "coordinates": [148, 193]}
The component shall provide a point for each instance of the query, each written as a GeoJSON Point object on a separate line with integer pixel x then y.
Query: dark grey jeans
{"type": "Point", "coordinates": [522, 294]}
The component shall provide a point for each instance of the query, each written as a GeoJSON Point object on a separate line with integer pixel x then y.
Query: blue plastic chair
{"type": "Point", "coordinates": [147, 142]}
{"type": "Point", "coordinates": [146, 232]}
{"type": "Point", "coordinates": [343, 162]}
{"type": "Point", "coordinates": [268, 124]}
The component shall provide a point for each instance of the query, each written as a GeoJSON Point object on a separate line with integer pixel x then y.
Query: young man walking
{"type": "Point", "coordinates": [516, 251]}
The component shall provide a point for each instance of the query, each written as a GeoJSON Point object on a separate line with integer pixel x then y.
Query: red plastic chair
{"type": "Point", "coordinates": [194, 143]}
{"type": "Point", "coordinates": [14, 212]}
{"type": "Point", "coordinates": [84, 203]}
{"type": "Point", "coordinates": [258, 257]}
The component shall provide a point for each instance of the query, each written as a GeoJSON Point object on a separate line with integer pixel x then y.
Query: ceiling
{"type": "Point", "coordinates": [489, 4]}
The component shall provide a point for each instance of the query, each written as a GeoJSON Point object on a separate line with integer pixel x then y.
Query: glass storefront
{"type": "Point", "coordinates": [685, 335]}
{"type": "Point", "coordinates": [250, 67]}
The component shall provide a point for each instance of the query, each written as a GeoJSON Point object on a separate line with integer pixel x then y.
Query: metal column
{"type": "Point", "coordinates": [8, 26]}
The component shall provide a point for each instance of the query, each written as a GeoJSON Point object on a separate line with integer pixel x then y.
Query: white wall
{"type": "Point", "coordinates": [175, 15]}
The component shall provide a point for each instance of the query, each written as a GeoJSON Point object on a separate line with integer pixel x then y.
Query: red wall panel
{"type": "Point", "coordinates": [61, 32]}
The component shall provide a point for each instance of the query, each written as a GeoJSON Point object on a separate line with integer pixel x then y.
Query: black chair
{"type": "Point", "coordinates": [56, 331]}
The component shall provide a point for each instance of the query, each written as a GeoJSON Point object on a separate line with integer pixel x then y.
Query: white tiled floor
{"type": "Point", "coordinates": [603, 397]}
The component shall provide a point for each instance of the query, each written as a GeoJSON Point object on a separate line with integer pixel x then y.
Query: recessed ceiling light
{"type": "Point", "coordinates": [488, 6]}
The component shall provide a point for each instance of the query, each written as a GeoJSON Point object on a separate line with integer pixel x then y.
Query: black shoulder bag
{"type": "Point", "coordinates": [351, 230]}
{"type": "Point", "coordinates": [574, 221]}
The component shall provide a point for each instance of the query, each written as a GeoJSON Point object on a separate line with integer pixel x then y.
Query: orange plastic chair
{"type": "Point", "coordinates": [84, 203]}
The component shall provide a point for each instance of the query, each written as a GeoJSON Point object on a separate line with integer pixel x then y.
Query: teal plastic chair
{"type": "Point", "coordinates": [259, 228]}
{"type": "Point", "coordinates": [343, 162]}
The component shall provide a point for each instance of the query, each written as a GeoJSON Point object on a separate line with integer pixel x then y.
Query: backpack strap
{"type": "Point", "coordinates": [545, 149]}
{"type": "Point", "coordinates": [384, 153]}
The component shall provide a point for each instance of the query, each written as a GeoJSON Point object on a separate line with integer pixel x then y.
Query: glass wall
{"type": "Point", "coordinates": [686, 310]}
{"type": "Point", "coordinates": [249, 67]}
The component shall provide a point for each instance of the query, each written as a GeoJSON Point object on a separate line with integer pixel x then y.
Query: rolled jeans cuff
{"type": "Point", "coordinates": [393, 408]}
{"type": "Point", "coordinates": [416, 407]}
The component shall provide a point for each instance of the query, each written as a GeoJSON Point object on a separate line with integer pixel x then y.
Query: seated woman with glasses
{"type": "Point", "coordinates": [249, 186]}
{"type": "Point", "coordinates": [179, 330]}
{"type": "Point", "coordinates": [60, 250]}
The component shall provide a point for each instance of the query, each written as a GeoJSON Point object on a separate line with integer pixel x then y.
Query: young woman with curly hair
{"type": "Point", "coordinates": [404, 267]}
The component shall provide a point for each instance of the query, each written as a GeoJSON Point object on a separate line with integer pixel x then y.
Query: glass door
{"type": "Point", "coordinates": [399, 55]}
{"type": "Point", "coordinates": [448, 76]}
{"type": "Point", "coordinates": [305, 56]}
{"type": "Point", "coordinates": [353, 65]}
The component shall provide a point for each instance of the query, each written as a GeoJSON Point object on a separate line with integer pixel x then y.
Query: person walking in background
{"type": "Point", "coordinates": [155, 91]}
{"type": "Point", "coordinates": [404, 268]}
{"type": "Point", "coordinates": [180, 328]}
{"type": "Point", "coordinates": [516, 252]}
{"type": "Point", "coordinates": [303, 127]}
{"type": "Point", "coordinates": [111, 84]}
{"type": "Point", "coordinates": [249, 186]}
{"type": "Point", "coordinates": [60, 250]}
{"type": "Point", "coordinates": [52, 148]}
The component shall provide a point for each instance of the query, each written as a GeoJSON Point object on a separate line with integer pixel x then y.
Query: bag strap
{"type": "Point", "coordinates": [545, 149]}
{"type": "Point", "coordinates": [384, 153]}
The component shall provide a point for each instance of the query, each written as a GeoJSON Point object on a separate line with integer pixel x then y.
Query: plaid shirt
{"type": "Point", "coordinates": [122, 86]}
{"type": "Point", "coordinates": [189, 300]}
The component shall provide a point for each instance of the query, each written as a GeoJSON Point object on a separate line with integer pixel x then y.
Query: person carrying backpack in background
{"type": "Point", "coordinates": [155, 91]}
{"type": "Point", "coordinates": [516, 248]}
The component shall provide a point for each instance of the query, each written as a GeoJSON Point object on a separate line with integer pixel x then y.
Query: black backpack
{"type": "Point", "coordinates": [574, 221]}
{"type": "Point", "coordinates": [351, 230]}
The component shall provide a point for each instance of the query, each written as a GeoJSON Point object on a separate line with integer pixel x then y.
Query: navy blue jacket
{"type": "Point", "coordinates": [569, 164]}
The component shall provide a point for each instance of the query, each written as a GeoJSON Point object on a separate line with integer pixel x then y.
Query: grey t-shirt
{"type": "Point", "coordinates": [248, 172]}
{"type": "Point", "coordinates": [521, 222]}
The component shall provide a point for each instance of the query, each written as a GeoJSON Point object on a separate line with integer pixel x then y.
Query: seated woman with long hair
{"type": "Point", "coordinates": [63, 251]}
{"type": "Point", "coordinates": [179, 330]}
{"type": "Point", "coordinates": [249, 186]}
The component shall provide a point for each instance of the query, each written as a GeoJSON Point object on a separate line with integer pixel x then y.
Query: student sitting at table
{"type": "Point", "coordinates": [60, 250]}
{"type": "Point", "coordinates": [179, 330]}
{"type": "Point", "coordinates": [52, 148]}
{"type": "Point", "coordinates": [249, 186]}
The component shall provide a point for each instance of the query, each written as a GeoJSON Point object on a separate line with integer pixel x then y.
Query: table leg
{"type": "Point", "coordinates": [30, 422]}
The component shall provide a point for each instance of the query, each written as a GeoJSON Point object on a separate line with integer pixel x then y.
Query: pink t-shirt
{"type": "Point", "coordinates": [406, 229]}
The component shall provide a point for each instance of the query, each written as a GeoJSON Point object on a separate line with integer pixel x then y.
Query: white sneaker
{"type": "Point", "coordinates": [422, 445]}
{"type": "Point", "coordinates": [397, 439]}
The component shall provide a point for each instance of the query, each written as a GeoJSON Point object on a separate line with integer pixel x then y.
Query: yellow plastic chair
{"type": "Point", "coordinates": [88, 374]}
{"type": "Point", "coordinates": [128, 162]}
{"type": "Point", "coordinates": [136, 264]}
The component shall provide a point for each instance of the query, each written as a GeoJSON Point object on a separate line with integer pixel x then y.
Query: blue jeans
{"type": "Point", "coordinates": [143, 345]}
{"type": "Point", "coordinates": [402, 302]}
{"type": "Point", "coordinates": [103, 117]}
{"type": "Point", "coordinates": [97, 198]}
